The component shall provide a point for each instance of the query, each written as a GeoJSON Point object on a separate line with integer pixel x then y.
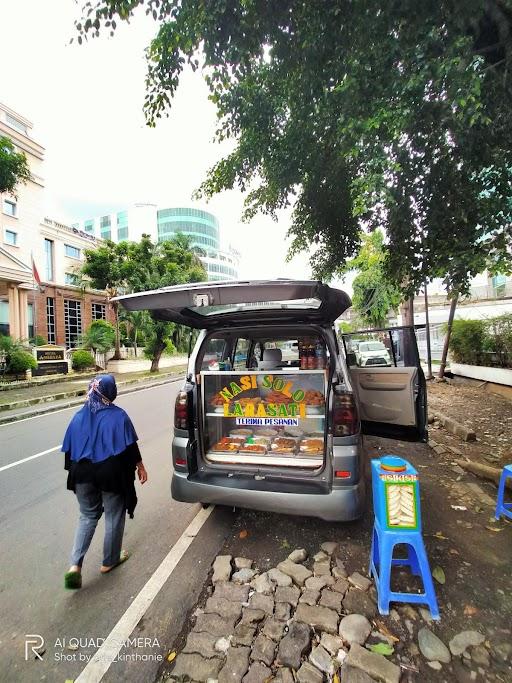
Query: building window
{"type": "Point", "coordinates": [122, 226]}
{"type": "Point", "coordinates": [71, 251]}
{"type": "Point", "coordinates": [89, 226]}
{"type": "Point", "coordinates": [50, 319]}
{"type": "Point", "coordinates": [15, 123]}
{"type": "Point", "coordinates": [11, 237]}
{"type": "Point", "coordinates": [99, 311]}
{"type": "Point", "coordinates": [9, 207]}
{"type": "Point", "coordinates": [48, 260]}
{"type": "Point", "coordinates": [72, 321]}
{"type": "Point", "coordinates": [30, 320]}
{"type": "Point", "coordinates": [71, 279]}
{"type": "Point", "coordinates": [105, 228]}
{"type": "Point", "coordinates": [4, 317]}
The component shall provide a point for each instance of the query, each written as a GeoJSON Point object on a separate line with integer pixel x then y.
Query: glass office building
{"type": "Point", "coordinates": [162, 224]}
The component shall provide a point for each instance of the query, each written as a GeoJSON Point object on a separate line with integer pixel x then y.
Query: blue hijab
{"type": "Point", "coordinates": [99, 429]}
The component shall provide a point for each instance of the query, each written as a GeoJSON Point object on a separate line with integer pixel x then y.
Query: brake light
{"type": "Point", "coordinates": [342, 474]}
{"type": "Point", "coordinates": [181, 411]}
{"type": "Point", "coordinates": [180, 461]}
{"type": "Point", "coordinates": [345, 420]}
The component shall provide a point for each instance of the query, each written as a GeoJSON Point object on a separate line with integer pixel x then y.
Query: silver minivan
{"type": "Point", "coordinates": [274, 404]}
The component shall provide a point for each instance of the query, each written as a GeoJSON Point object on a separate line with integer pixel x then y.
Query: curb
{"type": "Point", "coordinates": [454, 427]}
{"type": "Point", "coordinates": [80, 392]}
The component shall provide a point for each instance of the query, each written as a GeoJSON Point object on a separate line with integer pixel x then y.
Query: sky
{"type": "Point", "coordinates": [86, 106]}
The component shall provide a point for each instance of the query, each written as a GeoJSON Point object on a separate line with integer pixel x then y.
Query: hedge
{"type": "Point", "coordinates": [483, 342]}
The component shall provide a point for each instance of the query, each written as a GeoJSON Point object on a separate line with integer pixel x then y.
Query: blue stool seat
{"type": "Point", "coordinates": [503, 508]}
{"type": "Point", "coordinates": [382, 561]}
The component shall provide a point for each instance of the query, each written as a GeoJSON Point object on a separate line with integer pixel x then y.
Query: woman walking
{"type": "Point", "coordinates": [101, 456]}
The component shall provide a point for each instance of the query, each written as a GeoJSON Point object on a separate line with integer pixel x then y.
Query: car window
{"type": "Point", "coordinates": [382, 348]}
{"type": "Point", "coordinates": [214, 351]}
{"type": "Point", "coordinates": [241, 353]}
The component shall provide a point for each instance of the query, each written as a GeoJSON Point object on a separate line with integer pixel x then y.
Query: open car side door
{"type": "Point", "coordinates": [388, 380]}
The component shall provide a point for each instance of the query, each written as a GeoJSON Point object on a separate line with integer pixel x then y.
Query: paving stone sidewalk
{"type": "Point", "coordinates": [310, 625]}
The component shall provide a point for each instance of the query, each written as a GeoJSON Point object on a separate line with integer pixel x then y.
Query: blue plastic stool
{"type": "Point", "coordinates": [503, 508]}
{"type": "Point", "coordinates": [398, 521]}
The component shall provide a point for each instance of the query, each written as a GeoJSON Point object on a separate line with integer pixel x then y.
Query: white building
{"type": "Point", "coordinates": [59, 311]}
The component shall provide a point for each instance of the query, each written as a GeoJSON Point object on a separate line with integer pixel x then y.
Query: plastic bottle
{"type": "Point", "coordinates": [303, 357]}
{"type": "Point", "coordinates": [319, 356]}
{"type": "Point", "coordinates": [311, 356]}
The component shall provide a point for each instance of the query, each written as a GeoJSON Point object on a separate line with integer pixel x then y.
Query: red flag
{"type": "Point", "coordinates": [35, 273]}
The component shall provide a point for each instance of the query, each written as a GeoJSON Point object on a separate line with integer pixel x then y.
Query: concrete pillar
{"type": "Point", "coordinates": [23, 302]}
{"type": "Point", "coordinates": [14, 312]}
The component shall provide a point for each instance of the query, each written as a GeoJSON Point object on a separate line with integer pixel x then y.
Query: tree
{"type": "Point", "coordinates": [375, 294]}
{"type": "Point", "coordinates": [396, 116]}
{"type": "Point", "coordinates": [108, 267]}
{"type": "Point", "coordinates": [100, 337]}
{"type": "Point", "coordinates": [13, 167]}
{"type": "Point", "coordinates": [138, 322]}
{"type": "Point", "coordinates": [171, 262]}
{"type": "Point", "coordinates": [141, 266]}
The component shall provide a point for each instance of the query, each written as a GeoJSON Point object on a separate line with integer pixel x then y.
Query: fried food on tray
{"type": "Point", "coordinates": [282, 450]}
{"type": "Point", "coordinates": [283, 442]}
{"type": "Point", "coordinates": [278, 397]}
{"type": "Point", "coordinates": [240, 432]}
{"type": "Point", "coordinates": [225, 447]}
{"type": "Point", "coordinates": [253, 448]}
{"type": "Point", "coordinates": [311, 446]}
{"type": "Point", "coordinates": [314, 398]}
{"type": "Point", "coordinates": [265, 432]}
{"type": "Point", "coordinates": [249, 401]}
{"type": "Point", "coordinates": [217, 400]}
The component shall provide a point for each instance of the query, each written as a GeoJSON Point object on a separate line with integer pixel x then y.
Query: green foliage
{"type": "Point", "coordinates": [81, 359]}
{"type": "Point", "coordinates": [141, 266]}
{"type": "Point", "coordinates": [19, 361]}
{"type": "Point", "coordinates": [345, 327]}
{"type": "Point", "coordinates": [396, 116]}
{"type": "Point", "coordinates": [38, 340]}
{"type": "Point", "coordinates": [467, 341]}
{"type": "Point", "coordinates": [14, 167]}
{"type": "Point", "coordinates": [375, 293]}
{"type": "Point", "coordinates": [100, 336]}
{"type": "Point", "coordinates": [483, 342]}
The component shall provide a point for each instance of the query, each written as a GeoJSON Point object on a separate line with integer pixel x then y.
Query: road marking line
{"type": "Point", "coordinates": [30, 457]}
{"type": "Point", "coordinates": [101, 661]}
{"type": "Point", "coordinates": [61, 410]}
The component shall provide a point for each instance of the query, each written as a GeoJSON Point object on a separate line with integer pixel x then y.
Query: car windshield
{"type": "Point", "coordinates": [372, 346]}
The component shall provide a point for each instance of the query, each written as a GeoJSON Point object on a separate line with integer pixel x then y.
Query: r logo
{"type": "Point", "coordinates": [36, 644]}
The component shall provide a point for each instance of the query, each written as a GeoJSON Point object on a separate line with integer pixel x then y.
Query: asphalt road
{"type": "Point", "coordinates": [37, 522]}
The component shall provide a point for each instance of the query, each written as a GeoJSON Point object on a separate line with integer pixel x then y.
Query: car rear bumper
{"type": "Point", "coordinates": [339, 505]}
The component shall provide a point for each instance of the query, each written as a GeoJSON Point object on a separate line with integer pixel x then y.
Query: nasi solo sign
{"type": "Point", "coordinates": [275, 414]}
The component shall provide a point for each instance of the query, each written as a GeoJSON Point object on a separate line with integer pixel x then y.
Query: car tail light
{"type": "Point", "coordinates": [342, 474]}
{"type": "Point", "coordinates": [345, 420]}
{"type": "Point", "coordinates": [181, 412]}
{"type": "Point", "coordinates": [180, 461]}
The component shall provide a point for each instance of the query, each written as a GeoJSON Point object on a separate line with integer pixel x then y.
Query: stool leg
{"type": "Point", "coordinates": [413, 560]}
{"type": "Point", "coordinates": [501, 494]}
{"type": "Point", "coordinates": [386, 558]}
{"type": "Point", "coordinates": [428, 584]}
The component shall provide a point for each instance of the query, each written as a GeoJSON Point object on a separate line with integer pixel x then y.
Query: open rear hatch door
{"type": "Point", "coordinates": [210, 305]}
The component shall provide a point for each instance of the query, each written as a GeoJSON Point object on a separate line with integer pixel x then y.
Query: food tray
{"type": "Point", "coordinates": [242, 431]}
{"type": "Point", "coordinates": [253, 449]}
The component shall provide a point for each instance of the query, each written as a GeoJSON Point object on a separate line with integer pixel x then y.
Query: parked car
{"type": "Point", "coordinates": [372, 353]}
{"type": "Point", "coordinates": [278, 432]}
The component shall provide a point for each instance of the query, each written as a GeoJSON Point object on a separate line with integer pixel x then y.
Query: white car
{"type": "Point", "coordinates": [373, 353]}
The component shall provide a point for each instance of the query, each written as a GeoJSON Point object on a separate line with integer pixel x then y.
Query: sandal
{"type": "Point", "coordinates": [72, 580]}
{"type": "Point", "coordinates": [122, 558]}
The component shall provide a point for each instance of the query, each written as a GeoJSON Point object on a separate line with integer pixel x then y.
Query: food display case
{"type": "Point", "coordinates": [265, 418]}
